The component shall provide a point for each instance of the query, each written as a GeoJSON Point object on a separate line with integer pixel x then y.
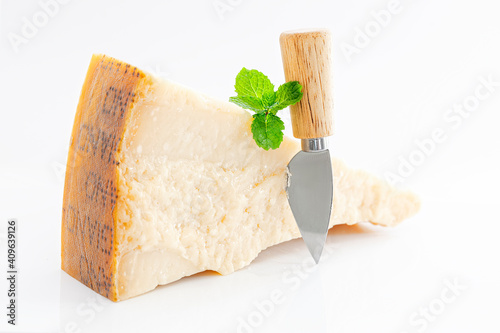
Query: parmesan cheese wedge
{"type": "Point", "coordinates": [163, 182]}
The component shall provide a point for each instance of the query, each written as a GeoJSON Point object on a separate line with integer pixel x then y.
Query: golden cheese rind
{"type": "Point", "coordinates": [90, 190]}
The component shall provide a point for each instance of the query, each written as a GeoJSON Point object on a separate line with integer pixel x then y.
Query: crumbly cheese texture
{"type": "Point", "coordinates": [194, 192]}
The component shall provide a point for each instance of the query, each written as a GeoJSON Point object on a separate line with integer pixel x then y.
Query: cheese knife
{"type": "Point", "coordinates": [306, 58]}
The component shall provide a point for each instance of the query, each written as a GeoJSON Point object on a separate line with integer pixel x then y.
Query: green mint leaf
{"type": "Point", "coordinates": [267, 130]}
{"type": "Point", "coordinates": [252, 83]}
{"type": "Point", "coordinates": [256, 92]}
{"type": "Point", "coordinates": [268, 99]}
{"type": "Point", "coordinates": [247, 102]}
{"type": "Point", "coordinates": [288, 94]}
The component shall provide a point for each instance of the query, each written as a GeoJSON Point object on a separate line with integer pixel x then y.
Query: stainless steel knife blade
{"type": "Point", "coordinates": [310, 194]}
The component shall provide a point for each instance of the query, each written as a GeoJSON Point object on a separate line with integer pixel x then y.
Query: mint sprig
{"type": "Point", "coordinates": [256, 92]}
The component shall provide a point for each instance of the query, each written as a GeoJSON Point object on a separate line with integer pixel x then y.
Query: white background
{"type": "Point", "coordinates": [398, 88]}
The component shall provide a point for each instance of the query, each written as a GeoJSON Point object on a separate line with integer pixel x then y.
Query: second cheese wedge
{"type": "Point", "coordinates": [163, 182]}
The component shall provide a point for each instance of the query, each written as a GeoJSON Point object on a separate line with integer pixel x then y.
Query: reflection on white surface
{"type": "Point", "coordinates": [282, 290]}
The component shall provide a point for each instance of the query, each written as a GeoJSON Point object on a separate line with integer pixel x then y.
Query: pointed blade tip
{"type": "Point", "coordinates": [316, 258]}
{"type": "Point", "coordinates": [315, 250]}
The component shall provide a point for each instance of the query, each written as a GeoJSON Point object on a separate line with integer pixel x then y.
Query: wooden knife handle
{"type": "Point", "coordinates": [306, 58]}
